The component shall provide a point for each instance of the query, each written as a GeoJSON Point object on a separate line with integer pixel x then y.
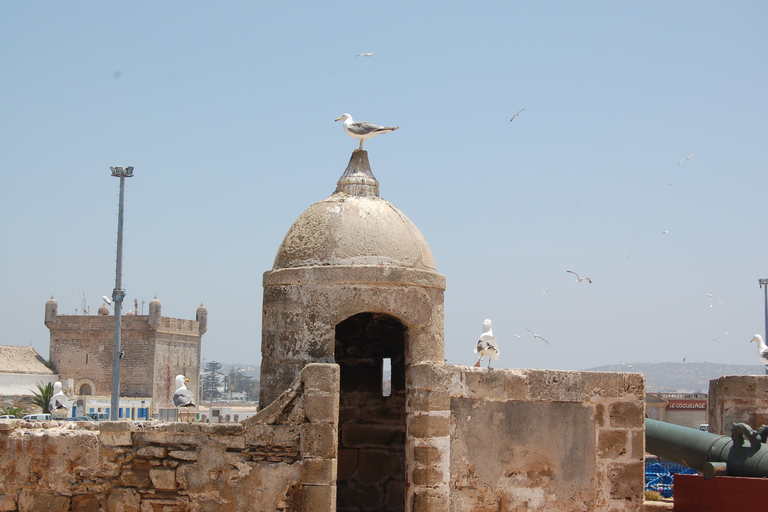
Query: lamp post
{"type": "Point", "coordinates": [118, 293]}
{"type": "Point", "coordinates": [764, 284]}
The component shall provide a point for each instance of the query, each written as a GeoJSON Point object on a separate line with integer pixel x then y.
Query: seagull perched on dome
{"type": "Point", "coordinates": [487, 345]}
{"type": "Point", "coordinates": [362, 130]}
{"type": "Point", "coordinates": [59, 403]}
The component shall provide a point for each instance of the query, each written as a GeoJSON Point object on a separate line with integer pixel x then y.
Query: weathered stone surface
{"type": "Point", "coordinates": [627, 414]}
{"type": "Point", "coordinates": [320, 498]}
{"type": "Point", "coordinates": [429, 425]}
{"type": "Point", "coordinates": [39, 501]}
{"type": "Point", "coordinates": [163, 478]}
{"type": "Point", "coordinates": [123, 500]}
{"type": "Point", "coordinates": [319, 471]}
{"type": "Point", "coordinates": [612, 443]}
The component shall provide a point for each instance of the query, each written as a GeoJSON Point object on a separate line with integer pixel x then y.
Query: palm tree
{"type": "Point", "coordinates": [42, 396]}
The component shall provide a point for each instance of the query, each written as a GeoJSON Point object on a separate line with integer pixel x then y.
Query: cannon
{"type": "Point", "coordinates": [743, 453]}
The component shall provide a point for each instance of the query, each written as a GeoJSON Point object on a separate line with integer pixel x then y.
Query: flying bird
{"type": "Point", "coordinates": [537, 336]}
{"type": "Point", "coordinates": [626, 253]}
{"type": "Point", "coordinates": [516, 114]}
{"type": "Point", "coordinates": [183, 397]}
{"type": "Point", "coordinates": [487, 345]}
{"type": "Point", "coordinates": [684, 159]}
{"type": "Point", "coordinates": [664, 232]}
{"type": "Point", "coordinates": [369, 54]}
{"type": "Point", "coordinates": [762, 350]}
{"type": "Point", "coordinates": [579, 279]}
{"type": "Point", "coordinates": [59, 403]}
{"type": "Point", "coordinates": [546, 291]}
{"type": "Point", "coordinates": [362, 130]}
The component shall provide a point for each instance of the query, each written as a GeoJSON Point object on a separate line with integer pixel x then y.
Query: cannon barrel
{"type": "Point", "coordinates": [709, 453]}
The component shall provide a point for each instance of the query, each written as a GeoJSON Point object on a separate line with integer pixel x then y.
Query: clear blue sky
{"type": "Point", "coordinates": [226, 110]}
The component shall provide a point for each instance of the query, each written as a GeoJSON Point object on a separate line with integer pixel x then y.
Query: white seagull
{"type": "Point", "coordinates": [369, 54]}
{"type": "Point", "coordinates": [537, 336]}
{"type": "Point", "coordinates": [579, 279]}
{"type": "Point", "coordinates": [487, 345]}
{"type": "Point", "coordinates": [183, 397]}
{"type": "Point", "coordinates": [59, 403]}
{"type": "Point", "coordinates": [684, 159]}
{"type": "Point", "coordinates": [362, 130]}
{"type": "Point", "coordinates": [762, 349]}
{"type": "Point", "coordinates": [516, 114]}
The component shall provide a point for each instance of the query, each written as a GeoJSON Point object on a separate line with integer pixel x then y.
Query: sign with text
{"type": "Point", "coordinates": [691, 405]}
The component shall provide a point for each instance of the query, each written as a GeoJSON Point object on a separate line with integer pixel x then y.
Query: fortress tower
{"type": "Point", "coordinates": [354, 283]}
{"type": "Point", "coordinates": [156, 349]}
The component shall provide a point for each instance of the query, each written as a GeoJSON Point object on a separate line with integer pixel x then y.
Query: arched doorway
{"type": "Point", "coordinates": [371, 464]}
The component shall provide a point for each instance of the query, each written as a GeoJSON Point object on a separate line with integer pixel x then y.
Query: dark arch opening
{"type": "Point", "coordinates": [85, 389]}
{"type": "Point", "coordinates": [371, 464]}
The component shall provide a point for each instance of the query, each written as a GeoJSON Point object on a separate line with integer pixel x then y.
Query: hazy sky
{"type": "Point", "coordinates": [226, 110]}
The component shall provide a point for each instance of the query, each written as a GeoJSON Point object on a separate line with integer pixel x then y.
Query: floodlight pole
{"type": "Point", "coordinates": [118, 293]}
{"type": "Point", "coordinates": [764, 284]}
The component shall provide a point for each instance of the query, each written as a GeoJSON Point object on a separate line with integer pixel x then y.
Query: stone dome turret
{"type": "Point", "coordinates": [354, 226]}
{"type": "Point", "coordinates": [103, 310]}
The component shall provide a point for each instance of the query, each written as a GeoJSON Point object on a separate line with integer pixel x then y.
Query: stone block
{"type": "Point", "coordinates": [151, 452]}
{"type": "Point", "coordinates": [430, 376]}
{"type": "Point", "coordinates": [163, 478]}
{"type": "Point", "coordinates": [493, 384]}
{"type": "Point", "coordinates": [427, 476]}
{"type": "Point", "coordinates": [122, 500]}
{"type": "Point", "coordinates": [321, 407]}
{"type": "Point", "coordinates": [189, 455]}
{"type": "Point", "coordinates": [319, 440]}
{"type": "Point", "coordinates": [85, 503]}
{"type": "Point", "coordinates": [38, 501]}
{"type": "Point", "coordinates": [626, 480]}
{"type": "Point", "coordinates": [319, 471]}
{"type": "Point", "coordinates": [319, 498]}
{"type": "Point", "coordinates": [321, 377]}
{"type": "Point", "coordinates": [612, 444]}
{"type": "Point", "coordinates": [637, 440]}
{"type": "Point", "coordinates": [7, 503]}
{"type": "Point", "coordinates": [422, 400]}
{"type": "Point", "coordinates": [428, 455]}
{"type": "Point", "coordinates": [379, 465]}
{"type": "Point", "coordinates": [116, 438]}
{"type": "Point", "coordinates": [428, 425]}
{"type": "Point", "coordinates": [627, 414]}
{"type": "Point", "coordinates": [429, 501]}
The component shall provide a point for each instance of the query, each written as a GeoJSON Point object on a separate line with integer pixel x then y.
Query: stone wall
{"type": "Point", "coordinates": [737, 399]}
{"type": "Point", "coordinates": [282, 459]}
{"type": "Point", "coordinates": [488, 440]}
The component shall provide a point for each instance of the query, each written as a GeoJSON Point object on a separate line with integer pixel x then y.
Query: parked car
{"type": "Point", "coordinates": [79, 418]}
{"type": "Point", "coordinates": [98, 416]}
{"type": "Point", "coordinates": [7, 417]}
{"type": "Point", "coordinates": [38, 417]}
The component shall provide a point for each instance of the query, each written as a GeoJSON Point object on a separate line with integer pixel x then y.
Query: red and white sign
{"type": "Point", "coordinates": [691, 405]}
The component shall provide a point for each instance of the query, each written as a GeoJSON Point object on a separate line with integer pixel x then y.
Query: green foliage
{"type": "Point", "coordinates": [211, 379]}
{"type": "Point", "coordinates": [653, 496]}
{"type": "Point", "coordinates": [12, 410]}
{"type": "Point", "coordinates": [42, 396]}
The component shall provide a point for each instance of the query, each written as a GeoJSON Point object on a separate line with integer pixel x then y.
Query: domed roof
{"type": "Point", "coordinates": [354, 227]}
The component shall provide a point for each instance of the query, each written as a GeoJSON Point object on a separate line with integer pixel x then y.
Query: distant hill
{"type": "Point", "coordinates": [681, 377]}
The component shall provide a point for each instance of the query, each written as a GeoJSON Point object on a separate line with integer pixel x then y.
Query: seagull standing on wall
{"type": "Point", "coordinates": [59, 403]}
{"type": "Point", "coordinates": [183, 397]}
{"type": "Point", "coordinates": [487, 345]}
{"type": "Point", "coordinates": [762, 350]}
{"type": "Point", "coordinates": [362, 130]}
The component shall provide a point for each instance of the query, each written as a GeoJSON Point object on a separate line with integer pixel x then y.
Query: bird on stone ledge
{"type": "Point", "coordinates": [487, 345]}
{"type": "Point", "coordinates": [363, 130]}
{"type": "Point", "coordinates": [183, 397]}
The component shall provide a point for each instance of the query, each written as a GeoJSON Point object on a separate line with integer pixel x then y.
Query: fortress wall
{"type": "Point", "coordinates": [283, 459]}
{"type": "Point", "coordinates": [737, 399]}
{"type": "Point", "coordinates": [488, 440]}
